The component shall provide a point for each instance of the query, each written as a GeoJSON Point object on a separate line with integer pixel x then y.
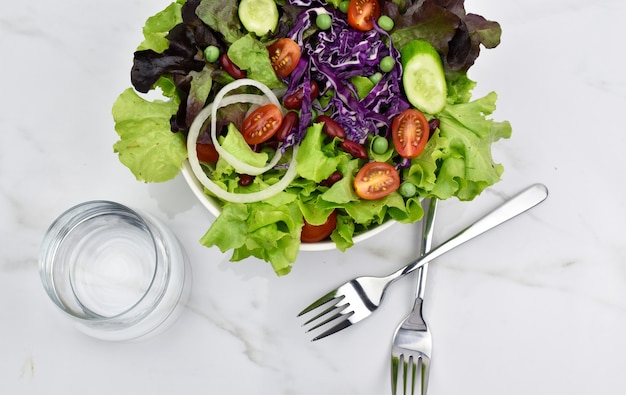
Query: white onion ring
{"type": "Point", "coordinates": [220, 102]}
{"type": "Point", "coordinates": [194, 132]}
{"type": "Point", "coordinates": [240, 166]}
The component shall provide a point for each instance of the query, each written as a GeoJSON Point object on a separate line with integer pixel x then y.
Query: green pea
{"type": "Point", "coordinates": [343, 6]}
{"type": "Point", "coordinates": [387, 64]}
{"type": "Point", "coordinates": [211, 53]}
{"type": "Point", "coordinates": [380, 145]}
{"type": "Point", "coordinates": [407, 189]}
{"type": "Point", "coordinates": [385, 23]}
{"type": "Point", "coordinates": [375, 78]}
{"type": "Point", "coordinates": [324, 21]}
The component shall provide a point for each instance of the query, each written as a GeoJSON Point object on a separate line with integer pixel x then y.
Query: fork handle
{"type": "Point", "coordinates": [525, 200]}
{"type": "Point", "coordinates": [426, 243]}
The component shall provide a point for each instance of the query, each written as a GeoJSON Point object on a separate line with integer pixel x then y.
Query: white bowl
{"type": "Point", "coordinates": [215, 208]}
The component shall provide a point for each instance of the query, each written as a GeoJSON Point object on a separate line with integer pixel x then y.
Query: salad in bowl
{"type": "Point", "coordinates": [308, 124]}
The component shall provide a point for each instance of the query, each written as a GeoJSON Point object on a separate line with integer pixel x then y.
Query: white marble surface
{"type": "Point", "coordinates": [536, 307]}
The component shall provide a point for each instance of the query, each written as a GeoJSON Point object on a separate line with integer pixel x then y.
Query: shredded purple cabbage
{"type": "Point", "coordinates": [331, 58]}
{"type": "Point", "coordinates": [307, 3]}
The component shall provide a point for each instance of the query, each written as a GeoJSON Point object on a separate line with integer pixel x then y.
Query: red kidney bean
{"type": "Point", "coordinates": [245, 180]}
{"type": "Point", "coordinates": [331, 128]}
{"type": "Point", "coordinates": [232, 69]}
{"type": "Point", "coordinates": [332, 179]}
{"type": "Point", "coordinates": [294, 101]}
{"type": "Point", "coordinates": [290, 120]}
{"type": "Point", "coordinates": [355, 149]}
{"type": "Point", "coordinates": [433, 124]}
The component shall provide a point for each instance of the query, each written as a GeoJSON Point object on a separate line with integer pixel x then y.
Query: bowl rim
{"type": "Point", "coordinates": [212, 206]}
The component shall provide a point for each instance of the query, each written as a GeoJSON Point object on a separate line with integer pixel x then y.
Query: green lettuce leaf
{"type": "Point", "coordinates": [404, 212]}
{"type": "Point", "coordinates": [368, 212]}
{"type": "Point", "coordinates": [459, 87]}
{"type": "Point", "coordinates": [342, 191]}
{"type": "Point", "coordinates": [229, 230]}
{"type": "Point", "coordinates": [313, 212]}
{"type": "Point", "coordinates": [313, 163]}
{"type": "Point", "coordinates": [423, 170]}
{"type": "Point", "coordinates": [251, 55]}
{"type": "Point", "coordinates": [344, 232]}
{"type": "Point", "coordinates": [467, 166]}
{"type": "Point", "coordinates": [235, 144]}
{"type": "Point", "coordinates": [159, 25]}
{"type": "Point", "coordinates": [457, 159]}
{"type": "Point", "coordinates": [261, 230]}
{"type": "Point", "coordinates": [147, 146]}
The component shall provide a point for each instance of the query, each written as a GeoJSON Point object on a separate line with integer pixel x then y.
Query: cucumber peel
{"type": "Point", "coordinates": [423, 78]}
{"type": "Point", "coordinates": [258, 16]}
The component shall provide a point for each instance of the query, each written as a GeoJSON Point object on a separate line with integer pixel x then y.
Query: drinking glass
{"type": "Point", "coordinates": [118, 274]}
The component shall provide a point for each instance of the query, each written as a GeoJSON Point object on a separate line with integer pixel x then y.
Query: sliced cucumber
{"type": "Point", "coordinates": [422, 77]}
{"type": "Point", "coordinates": [258, 16]}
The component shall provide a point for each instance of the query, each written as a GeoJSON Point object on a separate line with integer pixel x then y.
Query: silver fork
{"type": "Point", "coordinates": [412, 342]}
{"type": "Point", "coordinates": [360, 297]}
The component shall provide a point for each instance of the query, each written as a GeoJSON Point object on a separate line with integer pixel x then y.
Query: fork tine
{"type": "Point", "coordinates": [425, 374]}
{"type": "Point", "coordinates": [335, 315]}
{"type": "Point", "coordinates": [414, 371]}
{"type": "Point", "coordinates": [408, 372]}
{"type": "Point", "coordinates": [396, 373]}
{"type": "Point", "coordinates": [331, 313]}
{"type": "Point", "coordinates": [343, 324]}
{"type": "Point", "coordinates": [335, 312]}
{"type": "Point", "coordinates": [405, 374]}
{"type": "Point", "coordinates": [329, 297]}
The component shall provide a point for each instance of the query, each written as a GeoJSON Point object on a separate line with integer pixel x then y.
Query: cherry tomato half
{"type": "Point", "coordinates": [284, 55]}
{"type": "Point", "coordinates": [361, 14]}
{"type": "Point", "coordinates": [207, 153]}
{"type": "Point", "coordinates": [314, 233]}
{"type": "Point", "coordinates": [376, 180]}
{"type": "Point", "coordinates": [410, 132]}
{"type": "Point", "coordinates": [261, 124]}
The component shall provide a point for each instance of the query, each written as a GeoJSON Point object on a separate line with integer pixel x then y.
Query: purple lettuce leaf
{"type": "Point", "coordinates": [456, 35]}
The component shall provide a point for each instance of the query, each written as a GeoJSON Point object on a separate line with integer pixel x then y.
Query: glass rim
{"type": "Point", "coordinates": [66, 223]}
